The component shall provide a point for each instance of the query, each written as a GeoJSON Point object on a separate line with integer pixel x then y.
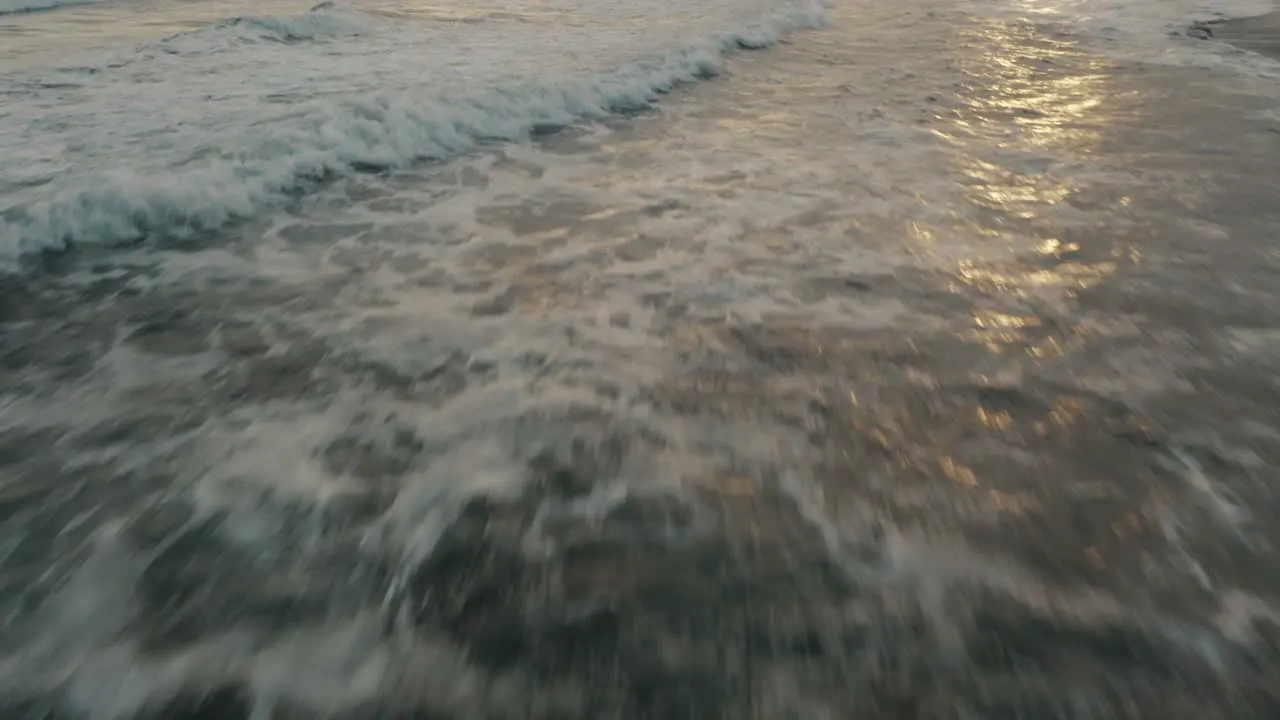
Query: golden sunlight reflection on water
{"type": "Point", "coordinates": [1019, 120]}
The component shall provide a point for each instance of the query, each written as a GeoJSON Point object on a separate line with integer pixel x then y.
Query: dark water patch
{"type": "Point", "coordinates": [19, 446]}
{"type": "Point", "coordinates": [160, 520]}
{"type": "Point", "coordinates": [562, 480]}
{"type": "Point", "coordinates": [297, 372]}
{"type": "Point", "coordinates": [650, 626]}
{"type": "Point", "coordinates": [780, 349]}
{"type": "Point", "coordinates": [170, 417]}
{"type": "Point", "coordinates": [170, 330]}
{"type": "Point", "coordinates": [241, 340]}
{"type": "Point", "coordinates": [435, 377]}
{"type": "Point", "coordinates": [224, 703]}
{"type": "Point", "coordinates": [845, 286]}
{"type": "Point", "coordinates": [323, 235]}
{"type": "Point", "coordinates": [499, 304]}
{"type": "Point", "coordinates": [200, 583]}
{"type": "Point", "coordinates": [1260, 34]}
{"type": "Point", "coordinates": [38, 354]}
{"type": "Point", "coordinates": [17, 708]}
{"type": "Point", "coordinates": [641, 517]}
{"type": "Point", "coordinates": [484, 611]}
{"type": "Point", "coordinates": [374, 458]}
{"type": "Point", "coordinates": [1010, 639]}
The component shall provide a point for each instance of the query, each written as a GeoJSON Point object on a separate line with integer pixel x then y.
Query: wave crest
{"type": "Point", "coordinates": [384, 131]}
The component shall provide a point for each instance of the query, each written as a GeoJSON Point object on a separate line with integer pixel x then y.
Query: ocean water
{"type": "Point", "coordinates": [646, 359]}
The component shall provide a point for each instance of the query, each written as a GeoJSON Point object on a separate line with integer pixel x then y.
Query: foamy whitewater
{"type": "Point", "coordinates": [593, 359]}
{"type": "Point", "coordinates": [188, 133]}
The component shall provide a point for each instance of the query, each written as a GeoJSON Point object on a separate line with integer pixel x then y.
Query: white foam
{"type": "Point", "coordinates": [205, 128]}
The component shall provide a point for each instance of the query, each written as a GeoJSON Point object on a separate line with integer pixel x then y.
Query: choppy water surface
{"type": "Point", "coordinates": [920, 366]}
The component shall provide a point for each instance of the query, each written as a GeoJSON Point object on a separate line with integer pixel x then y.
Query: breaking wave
{"type": "Point", "coordinates": [381, 130]}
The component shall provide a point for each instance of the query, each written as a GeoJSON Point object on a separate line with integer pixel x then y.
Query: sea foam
{"type": "Point", "coordinates": [247, 161]}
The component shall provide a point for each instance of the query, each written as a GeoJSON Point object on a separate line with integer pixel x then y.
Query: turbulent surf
{"type": "Point", "coordinates": [563, 359]}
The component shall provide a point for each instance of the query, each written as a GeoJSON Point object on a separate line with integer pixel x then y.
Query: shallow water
{"type": "Point", "coordinates": [920, 366]}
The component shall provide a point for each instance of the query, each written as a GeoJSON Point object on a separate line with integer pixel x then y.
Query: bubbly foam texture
{"type": "Point", "coordinates": [660, 378]}
{"type": "Point", "coordinates": [172, 140]}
